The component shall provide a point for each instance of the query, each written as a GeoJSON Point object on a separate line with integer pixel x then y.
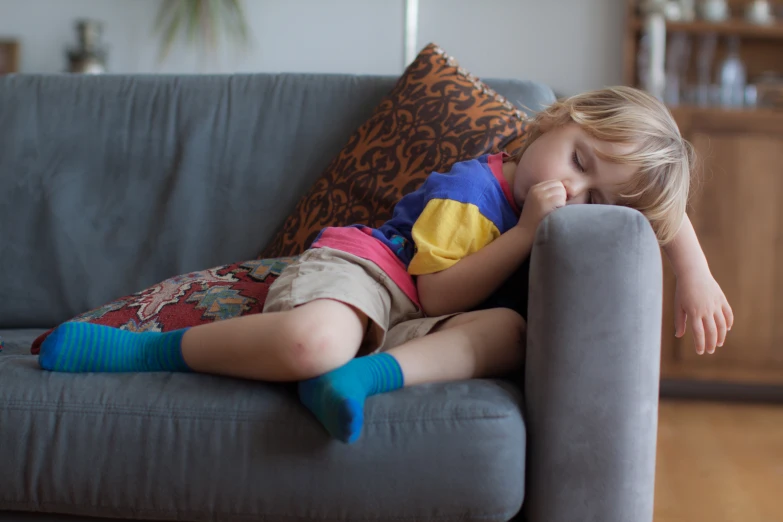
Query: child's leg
{"type": "Point", "coordinates": [477, 344]}
{"type": "Point", "coordinates": [470, 345]}
{"type": "Point", "coordinates": [280, 346]}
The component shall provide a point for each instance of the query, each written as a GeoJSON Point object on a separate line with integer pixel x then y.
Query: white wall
{"type": "Point", "coordinates": [573, 45]}
{"type": "Point", "coordinates": [288, 35]}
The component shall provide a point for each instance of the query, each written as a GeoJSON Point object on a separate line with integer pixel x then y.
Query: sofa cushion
{"type": "Point", "coordinates": [514, 145]}
{"type": "Point", "coordinates": [436, 115]}
{"type": "Point", "coordinates": [191, 299]}
{"type": "Point", "coordinates": [18, 341]}
{"type": "Point", "coordinates": [166, 446]}
{"type": "Point", "coordinates": [137, 178]}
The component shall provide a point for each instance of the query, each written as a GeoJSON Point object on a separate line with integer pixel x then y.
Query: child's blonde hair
{"type": "Point", "coordinates": [660, 188]}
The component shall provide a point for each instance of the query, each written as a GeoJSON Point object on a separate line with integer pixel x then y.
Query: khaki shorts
{"type": "Point", "coordinates": [326, 273]}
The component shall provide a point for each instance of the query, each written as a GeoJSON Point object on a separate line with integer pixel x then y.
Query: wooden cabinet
{"type": "Point", "coordinates": [736, 209]}
{"type": "Point", "coordinates": [737, 212]}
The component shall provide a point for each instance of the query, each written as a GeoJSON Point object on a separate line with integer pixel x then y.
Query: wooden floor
{"type": "Point", "coordinates": [719, 462]}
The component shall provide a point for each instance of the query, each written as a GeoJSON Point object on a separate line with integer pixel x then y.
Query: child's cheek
{"type": "Point", "coordinates": [520, 191]}
{"type": "Point", "coordinates": [521, 185]}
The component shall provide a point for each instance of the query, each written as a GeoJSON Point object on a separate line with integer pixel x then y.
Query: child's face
{"type": "Point", "coordinates": [567, 154]}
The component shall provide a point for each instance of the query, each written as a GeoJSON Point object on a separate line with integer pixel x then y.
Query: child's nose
{"type": "Point", "coordinates": [571, 188]}
{"type": "Point", "coordinates": [575, 190]}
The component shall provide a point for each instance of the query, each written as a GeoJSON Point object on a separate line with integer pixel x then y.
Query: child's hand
{"type": "Point", "coordinates": [699, 299]}
{"type": "Point", "coordinates": [541, 199]}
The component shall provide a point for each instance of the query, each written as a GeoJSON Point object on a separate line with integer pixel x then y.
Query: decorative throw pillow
{"type": "Point", "coordinates": [515, 145]}
{"type": "Point", "coordinates": [190, 299]}
{"type": "Point", "coordinates": [436, 115]}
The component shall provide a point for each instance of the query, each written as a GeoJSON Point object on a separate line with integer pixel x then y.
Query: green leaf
{"type": "Point", "coordinates": [201, 22]}
{"type": "Point", "coordinates": [170, 17]}
{"type": "Point", "coordinates": [240, 21]}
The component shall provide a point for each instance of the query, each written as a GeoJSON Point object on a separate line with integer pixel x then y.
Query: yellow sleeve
{"type": "Point", "coordinates": [445, 232]}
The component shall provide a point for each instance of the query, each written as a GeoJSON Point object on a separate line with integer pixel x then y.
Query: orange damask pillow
{"type": "Point", "coordinates": [437, 114]}
{"type": "Point", "coordinates": [514, 146]}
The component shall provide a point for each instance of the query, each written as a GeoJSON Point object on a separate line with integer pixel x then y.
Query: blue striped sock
{"type": "Point", "coordinates": [337, 398]}
{"type": "Point", "coordinates": [86, 347]}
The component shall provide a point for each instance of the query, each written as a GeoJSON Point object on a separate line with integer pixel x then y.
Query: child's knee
{"type": "Point", "coordinates": [510, 321]}
{"type": "Point", "coordinates": [509, 347]}
{"type": "Point", "coordinates": [318, 344]}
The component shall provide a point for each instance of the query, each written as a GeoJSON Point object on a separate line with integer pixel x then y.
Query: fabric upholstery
{"type": "Point", "coordinates": [592, 370]}
{"type": "Point", "coordinates": [197, 447]}
{"type": "Point", "coordinates": [113, 184]}
{"type": "Point", "coordinates": [436, 115]}
{"type": "Point", "coordinates": [215, 294]}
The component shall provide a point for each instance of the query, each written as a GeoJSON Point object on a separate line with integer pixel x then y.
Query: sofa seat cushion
{"type": "Point", "coordinates": [17, 341]}
{"type": "Point", "coordinates": [197, 447]}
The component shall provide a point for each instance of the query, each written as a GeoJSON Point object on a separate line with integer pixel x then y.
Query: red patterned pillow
{"type": "Point", "coordinates": [190, 299]}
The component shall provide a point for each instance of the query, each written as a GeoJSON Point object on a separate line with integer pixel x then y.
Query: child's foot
{"type": "Point", "coordinates": [337, 398]}
{"type": "Point", "coordinates": [85, 347]}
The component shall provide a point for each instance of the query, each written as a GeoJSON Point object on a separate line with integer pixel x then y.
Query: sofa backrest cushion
{"type": "Point", "coordinates": [110, 184]}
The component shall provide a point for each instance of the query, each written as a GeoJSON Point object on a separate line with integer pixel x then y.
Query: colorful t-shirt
{"type": "Point", "coordinates": [449, 217]}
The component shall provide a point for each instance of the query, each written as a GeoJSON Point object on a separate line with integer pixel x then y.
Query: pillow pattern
{"type": "Point", "coordinates": [189, 299]}
{"type": "Point", "coordinates": [515, 145]}
{"type": "Point", "coordinates": [436, 115]}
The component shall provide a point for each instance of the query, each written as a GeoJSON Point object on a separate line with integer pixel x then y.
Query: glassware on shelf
{"type": "Point", "coordinates": [643, 60]}
{"type": "Point", "coordinates": [769, 88]}
{"type": "Point", "coordinates": [733, 77]}
{"type": "Point", "coordinates": [672, 10]}
{"type": "Point", "coordinates": [654, 31]}
{"type": "Point", "coordinates": [751, 96]}
{"type": "Point", "coordinates": [677, 57]}
{"type": "Point", "coordinates": [704, 59]}
{"type": "Point", "coordinates": [714, 10]}
{"type": "Point", "coordinates": [688, 10]}
{"type": "Point", "coordinates": [759, 12]}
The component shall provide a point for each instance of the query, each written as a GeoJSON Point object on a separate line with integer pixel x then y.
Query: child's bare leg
{"type": "Point", "coordinates": [280, 346]}
{"type": "Point", "coordinates": [475, 344]}
{"type": "Point", "coordinates": [471, 345]}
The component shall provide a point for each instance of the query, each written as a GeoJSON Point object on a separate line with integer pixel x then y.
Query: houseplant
{"type": "Point", "coordinates": [201, 22]}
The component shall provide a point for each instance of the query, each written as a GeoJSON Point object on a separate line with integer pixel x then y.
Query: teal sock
{"type": "Point", "coordinates": [86, 347]}
{"type": "Point", "coordinates": [337, 398]}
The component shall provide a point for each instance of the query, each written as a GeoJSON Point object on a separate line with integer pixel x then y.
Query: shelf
{"type": "Point", "coordinates": [743, 111]}
{"type": "Point", "coordinates": [760, 120]}
{"type": "Point", "coordinates": [736, 27]}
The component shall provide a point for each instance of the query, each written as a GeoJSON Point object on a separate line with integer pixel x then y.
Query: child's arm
{"type": "Point", "coordinates": [475, 277]}
{"type": "Point", "coordinates": [698, 296]}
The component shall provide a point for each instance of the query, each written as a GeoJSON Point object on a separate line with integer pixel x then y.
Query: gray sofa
{"type": "Point", "coordinates": [111, 184]}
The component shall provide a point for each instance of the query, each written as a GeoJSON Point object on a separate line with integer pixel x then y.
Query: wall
{"type": "Point", "coordinates": [529, 39]}
{"type": "Point", "coordinates": [572, 45]}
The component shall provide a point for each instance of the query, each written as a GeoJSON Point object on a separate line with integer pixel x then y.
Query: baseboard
{"type": "Point", "coordinates": [720, 391]}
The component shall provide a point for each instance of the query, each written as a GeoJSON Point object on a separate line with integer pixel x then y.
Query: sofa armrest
{"type": "Point", "coordinates": [592, 369]}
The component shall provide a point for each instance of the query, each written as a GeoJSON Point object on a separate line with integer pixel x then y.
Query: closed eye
{"type": "Point", "coordinates": [575, 159]}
